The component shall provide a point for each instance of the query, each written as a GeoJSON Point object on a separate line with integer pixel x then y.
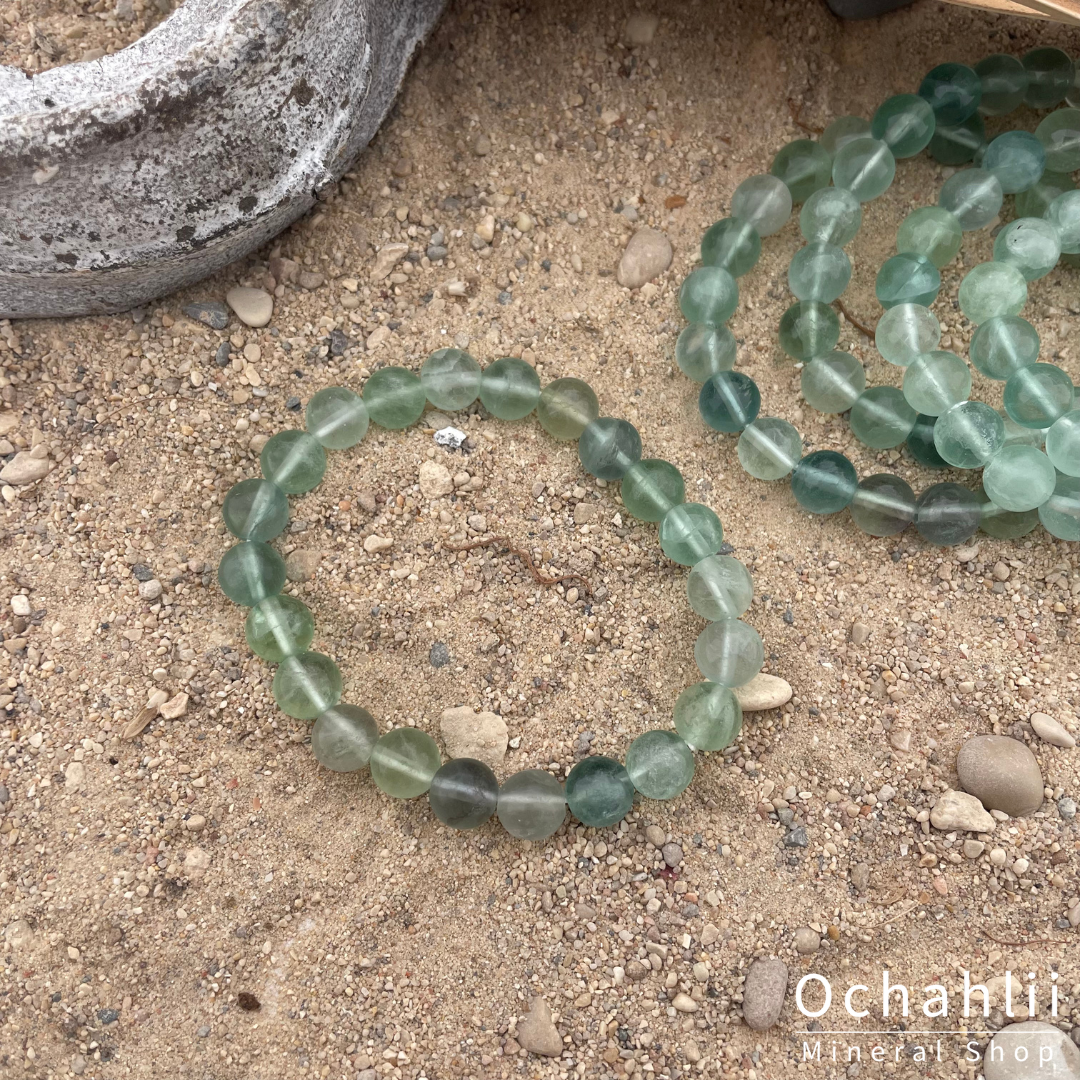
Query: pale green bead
{"type": "Point", "coordinates": [1063, 443]}
{"type": "Point", "coordinates": [936, 381]}
{"type": "Point", "coordinates": [990, 289]}
{"type": "Point", "coordinates": [249, 572]}
{"type": "Point", "coordinates": [831, 216]}
{"type": "Point", "coordinates": [1037, 395]}
{"type": "Point", "coordinates": [1004, 524]}
{"type": "Point", "coordinates": [1060, 514]}
{"type": "Point", "coordinates": [651, 487]}
{"type": "Point", "coordinates": [1019, 478]}
{"type": "Point", "coordinates": [336, 417]}
{"type": "Point", "coordinates": [731, 244]}
{"type": "Point", "coordinates": [809, 328]}
{"type": "Point", "coordinates": [769, 448]}
{"type": "Point", "coordinates": [306, 685]}
{"type": "Point", "coordinates": [1017, 159]}
{"type": "Point", "coordinates": [719, 587]}
{"type": "Point", "coordinates": [1018, 435]}
{"type": "Point", "coordinates": [294, 460]}
{"type": "Point", "coordinates": [969, 434]}
{"type": "Point", "coordinates": [865, 167]}
{"type": "Point", "coordinates": [762, 201]}
{"type": "Point", "coordinates": [709, 295]}
{"type": "Point", "coordinates": [566, 407]}
{"type": "Point", "coordinates": [451, 379]}
{"type": "Point", "coordinates": [905, 332]}
{"type": "Point", "coordinates": [394, 397]}
{"type": "Point", "coordinates": [1003, 345]}
{"type": "Point", "coordinates": [342, 738]}
{"type": "Point", "coordinates": [905, 123]}
{"type": "Point", "coordinates": [842, 130]}
{"type": "Point", "coordinates": [403, 762]}
{"type": "Point", "coordinates": [1029, 244]}
{"type": "Point", "coordinates": [832, 383]}
{"type": "Point", "coordinates": [255, 509]}
{"type": "Point", "coordinates": [972, 196]}
{"type": "Point", "coordinates": [729, 652]}
{"type": "Point", "coordinates": [1064, 214]}
{"type": "Point", "coordinates": [660, 764]}
{"type": "Point", "coordinates": [279, 626]}
{"type": "Point", "coordinates": [1036, 200]}
{"type": "Point", "coordinates": [958, 144]}
{"type": "Point", "coordinates": [883, 505]}
{"type": "Point", "coordinates": [805, 166]}
{"type": "Point", "coordinates": [532, 805]}
{"type": "Point", "coordinates": [702, 351]}
{"type": "Point", "coordinates": [1059, 134]}
{"type": "Point", "coordinates": [1004, 82]}
{"type": "Point", "coordinates": [881, 418]}
{"type": "Point", "coordinates": [608, 447]}
{"type": "Point", "coordinates": [932, 232]}
{"type": "Point", "coordinates": [708, 716]}
{"type": "Point", "coordinates": [908, 278]}
{"type": "Point", "coordinates": [689, 533]}
{"type": "Point", "coordinates": [1050, 75]}
{"type": "Point", "coordinates": [819, 271]}
{"type": "Point", "coordinates": [509, 388]}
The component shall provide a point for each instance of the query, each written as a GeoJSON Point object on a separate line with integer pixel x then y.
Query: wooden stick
{"type": "Point", "coordinates": [854, 322]}
{"type": "Point", "coordinates": [1032, 941]}
{"type": "Point", "coordinates": [524, 556]}
{"type": "Point", "coordinates": [796, 112]}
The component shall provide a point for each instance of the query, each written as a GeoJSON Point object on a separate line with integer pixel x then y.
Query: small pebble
{"type": "Point", "coordinates": [253, 307]}
{"type": "Point", "coordinates": [673, 854]}
{"type": "Point", "coordinates": [1049, 730]}
{"type": "Point", "coordinates": [439, 656]}
{"type": "Point", "coordinates": [764, 992]}
{"type": "Point", "coordinates": [656, 836]}
{"type": "Point", "coordinates": [959, 810]}
{"type": "Point", "coordinates": [763, 692]}
{"type": "Point", "coordinates": [537, 1033]}
{"type": "Point", "coordinates": [807, 941]}
{"type": "Point", "coordinates": [648, 254]}
{"type": "Point", "coordinates": [210, 313]}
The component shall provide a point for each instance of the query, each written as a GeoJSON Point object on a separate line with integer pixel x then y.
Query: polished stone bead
{"type": "Point", "coordinates": [1064, 214]}
{"type": "Point", "coordinates": [1036, 200]}
{"type": "Point", "coordinates": [920, 442]}
{"type": "Point", "coordinates": [953, 91]}
{"type": "Point", "coordinates": [342, 738]}
{"type": "Point", "coordinates": [729, 401]}
{"type": "Point", "coordinates": [731, 244]}
{"type": "Point", "coordinates": [947, 514]}
{"type": "Point", "coordinates": [279, 626]}
{"type": "Point", "coordinates": [689, 533]}
{"type": "Point", "coordinates": [1060, 514]}
{"type": "Point", "coordinates": [250, 572]}
{"type": "Point", "coordinates": [1003, 345]}
{"type": "Point", "coordinates": [708, 716]}
{"type": "Point", "coordinates": [972, 196]}
{"type": "Point", "coordinates": [936, 381]}
{"type": "Point", "coordinates": [805, 166]}
{"type": "Point", "coordinates": [532, 805]}
{"type": "Point", "coordinates": [464, 793]}
{"type": "Point", "coordinates": [992, 288]}
{"type": "Point", "coordinates": [404, 761]}
{"type": "Point", "coordinates": [306, 684]}
{"type": "Point", "coordinates": [1019, 478]}
{"type": "Point", "coordinates": [509, 388]}
{"type": "Point", "coordinates": [842, 130]}
{"type": "Point", "coordinates": [1037, 395]}
{"type": "Point", "coordinates": [957, 144]}
{"type": "Point", "coordinates": [294, 460]}
{"type": "Point", "coordinates": [719, 587]}
{"type": "Point", "coordinates": [1004, 524]}
{"type": "Point", "coordinates": [1063, 443]}
{"type": "Point", "coordinates": [599, 791]}
{"type": "Point", "coordinates": [1050, 76]}
{"type": "Point", "coordinates": [394, 397]}
{"type": "Point", "coordinates": [1004, 81]}
{"type": "Point", "coordinates": [830, 216]}
{"type": "Point", "coordinates": [1029, 244]}
{"type": "Point", "coordinates": [762, 201]}
{"type": "Point", "coordinates": [907, 278]}
{"type": "Point", "coordinates": [931, 232]}
{"type": "Point", "coordinates": [819, 271]}
{"type": "Point", "coordinates": [729, 652]}
{"type": "Point", "coordinates": [969, 434]}
{"type": "Point", "coordinates": [808, 329]}
{"type": "Point", "coordinates": [824, 482]}
{"type": "Point", "coordinates": [905, 332]}
{"type": "Point", "coordinates": [709, 295]}
{"type": "Point", "coordinates": [865, 167]}
{"type": "Point", "coordinates": [566, 407]}
{"type": "Point", "coordinates": [1059, 134]}
{"type": "Point", "coordinates": [451, 379]}
{"type": "Point", "coordinates": [651, 487]}
{"type": "Point", "coordinates": [336, 417]}
{"type": "Point", "coordinates": [255, 509]}
{"type": "Point", "coordinates": [660, 764]}
{"type": "Point", "coordinates": [883, 505]}
{"type": "Point", "coordinates": [1072, 96]}
{"type": "Point", "coordinates": [881, 418]}
{"type": "Point", "coordinates": [1017, 159]}
{"type": "Point", "coordinates": [702, 351]}
{"type": "Point", "coordinates": [832, 383]}
{"type": "Point", "coordinates": [905, 123]}
{"type": "Point", "coordinates": [608, 447]}
{"type": "Point", "coordinates": [1017, 434]}
{"type": "Point", "coordinates": [769, 448]}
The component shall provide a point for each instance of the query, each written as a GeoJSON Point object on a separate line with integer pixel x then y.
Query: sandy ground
{"type": "Point", "coordinates": [147, 883]}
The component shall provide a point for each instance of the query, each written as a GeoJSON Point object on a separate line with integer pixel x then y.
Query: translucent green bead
{"type": "Point", "coordinates": [294, 460]}
{"type": "Point", "coordinates": [931, 232]}
{"type": "Point", "coordinates": [953, 91]}
{"type": "Point", "coordinates": [769, 448]}
{"type": "Point", "coordinates": [947, 514]}
{"type": "Point", "coordinates": [865, 167]}
{"type": "Point", "coordinates": [1017, 159]}
{"type": "Point", "coordinates": [1016, 434]}
{"type": "Point", "coordinates": [1004, 81]}
{"type": "Point", "coordinates": [279, 626]}
{"type": "Point", "coordinates": [969, 434]}
{"type": "Point", "coordinates": [464, 793]}
{"type": "Point", "coordinates": [1019, 478]}
{"type": "Point", "coordinates": [404, 761]}
{"type": "Point", "coordinates": [731, 244]}
{"type": "Point", "coordinates": [532, 805]}
{"type": "Point", "coordinates": [905, 123]}
{"type": "Point", "coordinates": [832, 383]}
{"type": "Point", "coordinates": [451, 379]}
{"type": "Point", "coordinates": [1072, 96]}
{"type": "Point", "coordinates": [936, 381]}
{"type": "Point", "coordinates": [824, 482]}
{"type": "Point", "coordinates": [651, 487]}
{"type": "Point", "coordinates": [1004, 524]}
{"type": "Point", "coordinates": [1060, 514]}
{"type": "Point", "coordinates": [708, 716]}
{"type": "Point", "coordinates": [1029, 244]}
{"type": "Point", "coordinates": [1059, 134]}
{"type": "Point", "coordinates": [660, 764]}
{"type": "Point", "coordinates": [1037, 395]}
{"type": "Point", "coordinates": [702, 351]}
{"type": "Point", "coordinates": [1050, 76]}
{"type": "Point", "coordinates": [905, 332]}
{"type": "Point", "coordinates": [920, 442]}
{"type": "Point", "coordinates": [805, 166]}
{"type": "Point", "coordinates": [342, 738]}
{"type": "Point", "coordinates": [599, 791]}
{"type": "Point", "coordinates": [255, 509]}
{"type": "Point", "coordinates": [689, 533]}
{"type": "Point", "coordinates": [1036, 200]}
{"type": "Point", "coordinates": [394, 397]}
{"type": "Point", "coordinates": [907, 278]}
{"type": "Point", "coordinates": [957, 144]}
{"type": "Point", "coordinates": [819, 272]}
{"type": "Point", "coordinates": [842, 130]}
{"type": "Point", "coordinates": [336, 417]}
{"type": "Point", "coordinates": [608, 447]}
{"type": "Point", "coordinates": [250, 572]}
{"type": "Point", "coordinates": [1064, 214]}
{"type": "Point", "coordinates": [762, 201]}
{"type": "Point", "coordinates": [1003, 345]}
{"type": "Point", "coordinates": [719, 587]}
{"type": "Point", "coordinates": [881, 418]}
{"type": "Point", "coordinates": [709, 295]}
{"type": "Point", "coordinates": [509, 388]}
{"type": "Point", "coordinates": [831, 216]}
{"type": "Point", "coordinates": [883, 505]}
{"type": "Point", "coordinates": [729, 652]}
{"type": "Point", "coordinates": [973, 197]}
{"type": "Point", "coordinates": [808, 329]}
{"type": "Point", "coordinates": [566, 407]}
{"type": "Point", "coordinates": [306, 685]}
{"type": "Point", "coordinates": [1063, 443]}
{"type": "Point", "coordinates": [992, 288]}
{"type": "Point", "coordinates": [729, 401]}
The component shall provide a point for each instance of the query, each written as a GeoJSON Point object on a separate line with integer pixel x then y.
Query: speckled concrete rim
{"type": "Point", "coordinates": [125, 178]}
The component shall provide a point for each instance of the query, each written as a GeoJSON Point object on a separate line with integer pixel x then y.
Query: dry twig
{"type": "Point", "coordinates": [524, 556]}
{"type": "Point", "coordinates": [796, 111]}
{"type": "Point", "coordinates": [854, 322]}
{"type": "Point", "coordinates": [1020, 944]}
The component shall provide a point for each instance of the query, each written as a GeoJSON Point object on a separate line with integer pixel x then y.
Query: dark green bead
{"type": "Point", "coordinates": [306, 685]}
{"type": "Point", "coordinates": [883, 505]}
{"type": "Point", "coordinates": [708, 716]}
{"type": "Point", "coordinates": [394, 397]}
{"type": "Point", "coordinates": [805, 166]}
{"type": "Point", "coordinates": [255, 509]}
{"type": "Point", "coordinates": [954, 92]}
{"type": "Point", "coordinates": [532, 805]}
{"type": "Point", "coordinates": [279, 626]}
{"type": "Point", "coordinates": [464, 793]}
{"type": "Point", "coordinates": [808, 329]}
{"type": "Point", "coordinates": [824, 482]}
{"type": "Point", "coordinates": [451, 379]}
{"type": "Point", "coordinates": [947, 514]}
{"type": "Point", "coordinates": [957, 144]}
{"type": "Point", "coordinates": [881, 418]}
{"type": "Point", "coordinates": [566, 407]}
{"type": "Point", "coordinates": [509, 388]}
{"type": "Point", "coordinates": [342, 738]}
{"type": "Point", "coordinates": [708, 296]}
{"type": "Point", "coordinates": [689, 533]}
{"type": "Point", "coordinates": [905, 123]}
{"type": "Point", "coordinates": [651, 487]}
{"type": "Point", "coordinates": [1004, 83]}
{"type": "Point", "coordinates": [404, 761]}
{"type": "Point", "coordinates": [731, 244]}
{"type": "Point", "coordinates": [920, 442]}
{"type": "Point", "coordinates": [701, 351]}
{"type": "Point", "coordinates": [250, 572]}
{"type": "Point", "coordinates": [599, 791]}
{"type": "Point", "coordinates": [294, 460]}
{"type": "Point", "coordinates": [660, 764]}
{"type": "Point", "coordinates": [1004, 524]}
{"type": "Point", "coordinates": [608, 447]}
{"type": "Point", "coordinates": [1050, 76]}
{"type": "Point", "coordinates": [908, 278]}
{"type": "Point", "coordinates": [729, 401]}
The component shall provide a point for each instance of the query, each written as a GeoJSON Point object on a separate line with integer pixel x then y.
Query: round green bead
{"type": "Point", "coordinates": [1003, 345]}
{"type": "Point", "coordinates": [841, 131]}
{"type": "Point", "coordinates": [769, 448]}
{"type": "Point", "coordinates": [881, 418]}
{"type": "Point", "coordinates": [599, 791]}
{"type": "Point", "coordinates": [1017, 159]}
{"type": "Point", "coordinates": [729, 652]}
{"type": "Point", "coordinates": [731, 244]}
{"type": "Point", "coordinates": [532, 805]}
{"type": "Point", "coordinates": [509, 388]}
{"type": "Point", "coordinates": [972, 196]}
{"type": "Point", "coordinates": [805, 166]}
{"type": "Point", "coordinates": [1059, 134]}
{"type": "Point", "coordinates": [920, 442]}
{"type": "Point", "coordinates": [279, 626]}
{"type": "Point", "coordinates": [651, 487]}
{"type": "Point", "coordinates": [1060, 514]}
{"type": "Point", "coordinates": [394, 397]}
{"type": "Point", "coordinates": [342, 738]}
{"type": "Point", "coordinates": [294, 460]}
{"type": "Point", "coordinates": [1004, 81]}
{"type": "Point", "coordinates": [1017, 434]}
{"type": "Point", "coordinates": [819, 271]}
{"type": "Point", "coordinates": [250, 572]}
{"type": "Point", "coordinates": [336, 417]}
{"type": "Point", "coordinates": [953, 91]}
{"type": "Point", "coordinates": [708, 716]}
{"type": "Point", "coordinates": [905, 332]}
{"type": "Point", "coordinates": [969, 434]}
{"type": "Point", "coordinates": [907, 278]}
{"type": "Point", "coordinates": [608, 447]}
{"type": "Point", "coordinates": [1019, 478]}
{"type": "Point", "coordinates": [1072, 96]}
{"type": "Point", "coordinates": [660, 764]}
{"type": "Point", "coordinates": [1050, 76]}
{"type": "Point", "coordinates": [883, 505]}
{"type": "Point", "coordinates": [464, 793]}
{"type": "Point", "coordinates": [451, 379]}
{"type": "Point", "coordinates": [306, 685]}
{"type": "Point", "coordinates": [808, 329]}
{"type": "Point", "coordinates": [566, 407]}
{"type": "Point", "coordinates": [831, 216]}
{"type": "Point", "coordinates": [832, 383]}
{"type": "Point", "coordinates": [824, 482]}
{"type": "Point", "coordinates": [404, 761]}
{"type": "Point", "coordinates": [947, 514]}
{"type": "Point", "coordinates": [702, 351]}
{"type": "Point", "coordinates": [1004, 524]}
{"type": "Point", "coordinates": [255, 509]}
{"type": "Point", "coordinates": [719, 587]}
{"type": "Point", "coordinates": [992, 288]}
{"type": "Point", "coordinates": [729, 401]}
{"type": "Point", "coordinates": [1036, 200]}
{"type": "Point", "coordinates": [865, 167]}
{"type": "Point", "coordinates": [762, 201]}
{"type": "Point", "coordinates": [1064, 214]}
{"type": "Point", "coordinates": [1029, 244]}
{"type": "Point", "coordinates": [689, 533]}
{"type": "Point", "coordinates": [1063, 443]}
{"type": "Point", "coordinates": [957, 144]}
{"type": "Point", "coordinates": [709, 295]}
{"type": "Point", "coordinates": [1037, 395]}
{"type": "Point", "coordinates": [905, 123]}
{"type": "Point", "coordinates": [936, 381]}
{"type": "Point", "coordinates": [931, 232]}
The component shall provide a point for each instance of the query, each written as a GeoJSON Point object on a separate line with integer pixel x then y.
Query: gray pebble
{"type": "Point", "coordinates": [339, 342]}
{"type": "Point", "coordinates": [672, 854]}
{"type": "Point", "coordinates": [1066, 808]}
{"type": "Point", "coordinates": [436, 252]}
{"type": "Point", "coordinates": [108, 1016]}
{"type": "Point", "coordinates": [764, 992]}
{"type": "Point", "coordinates": [5, 795]}
{"type": "Point", "coordinates": [142, 572]}
{"type": "Point", "coordinates": [439, 655]}
{"type": "Point", "coordinates": [149, 590]}
{"type": "Point", "coordinates": [1001, 773]}
{"type": "Point", "coordinates": [203, 1031]}
{"type": "Point", "coordinates": [807, 941]}
{"type": "Point", "coordinates": [796, 838]}
{"type": "Point", "coordinates": [211, 314]}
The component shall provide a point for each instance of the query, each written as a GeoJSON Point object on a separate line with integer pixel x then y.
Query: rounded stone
{"type": "Point", "coordinates": [864, 166]}
{"type": "Point", "coordinates": [719, 587]}
{"type": "Point", "coordinates": [599, 791]}
{"type": "Point", "coordinates": [255, 509]}
{"type": "Point", "coordinates": [1017, 159]}
{"type": "Point", "coordinates": [763, 692]}
{"type": "Point", "coordinates": [731, 244]}
{"type": "Point", "coordinates": [404, 761]}
{"type": "Point", "coordinates": [804, 166]}
{"type": "Point", "coordinates": [931, 232]}
{"type": "Point", "coordinates": [958, 144]}
{"type": "Point", "coordinates": [1063, 443]}
{"type": "Point", "coordinates": [532, 805]}
{"type": "Point", "coordinates": [973, 197]}
{"type": "Point", "coordinates": [647, 255]}
{"type": "Point", "coordinates": [279, 626]}
{"type": "Point", "coordinates": [708, 716]}
{"type": "Point", "coordinates": [905, 332]}
{"type": "Point", "coordinates": [729, 652]}
{"type": "Point", "coordinates": [702, 351]}
{"type": "Point", "coordinates": [1059, 134]}
{"type": "Point", "coordinates": [763, 993]}
{"type": "Point", "coordinates": [953, 91]}
{"type": "Point", "coordinates": [1004, 81]}
{"type": "Point", "coordinates": [947, 514]}
{"type": "Point", "coordinates": [883, 505]}
{"type": "Point", "coordinates": [969, 434]}
{"type": "Point", "coordinates": [824, 482]}
{"type": "Point", "coordinates": [1031, 1050]}
{"type": "Point", "coordinates": [819, 271]}
{"type": "Point", "coordinates": [1019, 478]}
{"type": "Point", "coordinates": [991, 289]}
{"type": "Point", "coordinates": [451, 379]}
{"type": "Point", "coordinates": [294, 460]}
{"type": "Point", "coordinates": [905, 123]}
{"type": "Point", "coordinates": [342, 738]}
{"type": "Point", "coordinates": [509, 388]}
{"type": "Point", "coordinates": [689, 533]}
{"type": "Point", "coordinates": [566, 407]}
{"type": "Point", "coordinates": [908, 278]}
{"type": "Point", "coordinates": [1037, 395]}
{"type": "Point", "coordinates": [306, 685]}
{"type": "Point", "coordinates": [935, 382]}
{"type": "Point", "coordinates": [831, 216]}
{"type": "Point", "coordinates": [729, 401]}
{"type": "Point", "coordinates": [1001, 773]}
{"type": "Point", "coordinates": [651, 487]}
{"type": "Point", "coordinates": [762, 201]}
{"type": "Point", "coordinates": [1064, 214]}
{"type": "Point", "coordinates": [608, 447]}
{"type": "Point", "coordinates": [1004, 524]}
{"type": "Point", "coordinates": [709, 296]}
{"type": "Point", "coordinates": [464, 793]}
{"type": "Point", "coordinates": [394, 397]}
{"type": "Point", "coordinates": [336, 417]}
{"type": "Point", "coordinates": [920, 442]}
{"type": "Point", "coordinates": [842, 130]}
{"type": "Point", "coordinates": [1050, 76]}
{"type": "Point", "coordinates": [1003, 345]}
{"type": "Point", "coordinates": [808, 329]}
{"type": "Point", "coordinates": [769, 448]}
{"type": "Point", "coordinates": [881, 418]}
{"type": "Point", "coordinates": [1060, 514]}
{"type": "Point", "coordinates": [660, 764]}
